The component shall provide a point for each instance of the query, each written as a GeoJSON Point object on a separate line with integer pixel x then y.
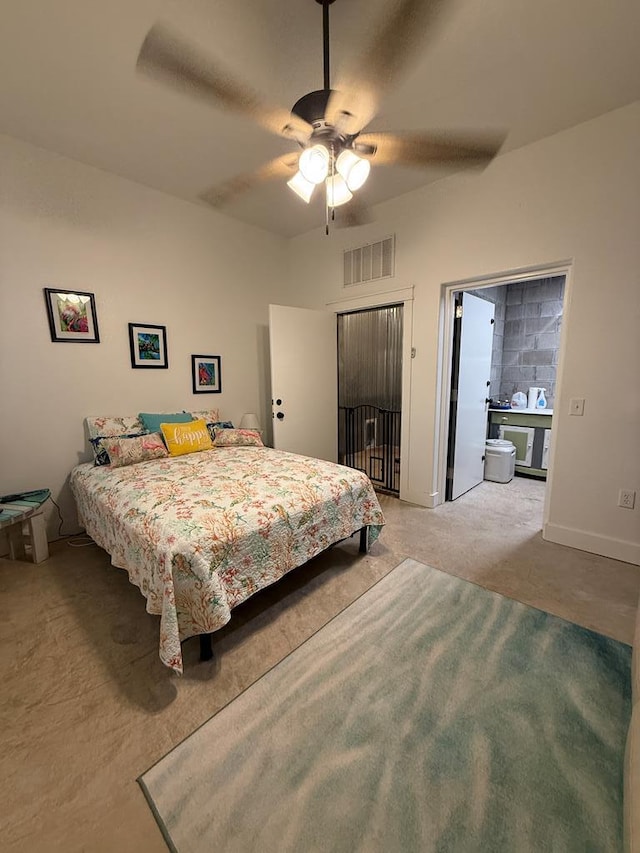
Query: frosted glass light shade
{"type": "Point", "coordinates": [355, 170]}
{"type": "Point", "coordinates": [249, 421]}
{"type": "Point", "coordinates": [337, 191]}
{"type": "Point", "coordinates": [301, 186]}
{"type": "Point", "coordinates": [314, 163]}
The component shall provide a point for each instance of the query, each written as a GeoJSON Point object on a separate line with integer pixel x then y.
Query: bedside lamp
{"type": "Point", "coordinates": [250, 421]}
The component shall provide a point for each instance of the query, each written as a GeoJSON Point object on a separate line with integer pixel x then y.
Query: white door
{"type": "Point", "coordinates": [471, 376]}
{"type": "Point", "coordinates": [304, 381]}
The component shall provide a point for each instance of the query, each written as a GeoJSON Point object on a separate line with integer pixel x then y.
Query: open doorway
{"type": "Point", "coordinates": [370, 370]}
{"type": "Point", "coordinates": [524, 353]}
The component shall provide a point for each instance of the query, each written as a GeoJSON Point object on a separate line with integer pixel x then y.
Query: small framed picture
{"type": "Point", "coordinates": [72, 316]}
{"type": "Point", "coordinates": [205, 371]}
{"type": "Point", "coordinates": [148, 345]}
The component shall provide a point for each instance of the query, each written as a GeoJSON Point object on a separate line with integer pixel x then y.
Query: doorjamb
{"type": "Point", "coordinates": [564, 268]}
{"type": "Point", "coordinates": [402, 296]}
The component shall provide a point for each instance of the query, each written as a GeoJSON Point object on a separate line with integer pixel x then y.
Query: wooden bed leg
{"type": "Point", "coordinates": [364, 540]}
{"type": "Point", "coordinates": [206, 649]}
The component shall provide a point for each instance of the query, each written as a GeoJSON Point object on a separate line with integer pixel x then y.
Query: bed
{"type": "Point", "coordinates": [201, 532]}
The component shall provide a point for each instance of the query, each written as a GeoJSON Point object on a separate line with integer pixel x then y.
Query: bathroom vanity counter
{"type": "Point", "coordinates": [530, 432]}
{"type": "Point", "coordinates": [523, 411]}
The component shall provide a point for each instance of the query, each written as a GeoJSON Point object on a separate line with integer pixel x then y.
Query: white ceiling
{"type": "Point", "coordinates": [67, 83]}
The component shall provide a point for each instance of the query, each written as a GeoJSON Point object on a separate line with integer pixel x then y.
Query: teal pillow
{"type": "Point", "coordinates": [152, 421]}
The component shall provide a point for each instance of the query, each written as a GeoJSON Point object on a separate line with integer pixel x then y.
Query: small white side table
{"type": "Point", "coordinates": [24, 524]}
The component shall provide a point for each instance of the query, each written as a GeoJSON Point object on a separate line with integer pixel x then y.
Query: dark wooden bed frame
{"type": "Point", "coordinates": [206, 645]}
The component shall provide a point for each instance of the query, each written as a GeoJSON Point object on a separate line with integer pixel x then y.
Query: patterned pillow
{"type": "Point", "coordinates": [100, 453]}
{"type": "Point", "coordinates": [187, 437]}
{"type": "Point", "coordinates": [212, 427]}
{"type": "Point", "coordinates": [101, 425]}
{"type": "Point", "coordinates": [209, 416]}
{"type": "Point", "coordinates": [238, 438]}
{"type": "Point", "coordinates": [128, 451]}
{"type": "Point", "coordinates": [153, 420]}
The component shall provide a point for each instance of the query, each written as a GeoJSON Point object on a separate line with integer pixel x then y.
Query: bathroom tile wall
{"type": "Point", "coordinates": [528, 317]}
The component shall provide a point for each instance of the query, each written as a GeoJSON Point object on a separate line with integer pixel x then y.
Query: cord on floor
{"type": "Point", "coordinates": [74, 540]}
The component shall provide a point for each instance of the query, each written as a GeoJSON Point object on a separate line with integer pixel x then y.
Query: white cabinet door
{"type": "Point", "coordinates": [522, 437]}
{"type": "Point", "coordinates": [545, 449]}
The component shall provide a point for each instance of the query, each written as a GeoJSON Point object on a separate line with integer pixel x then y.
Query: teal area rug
{"type": "Point", "coordinates": [430, 715]}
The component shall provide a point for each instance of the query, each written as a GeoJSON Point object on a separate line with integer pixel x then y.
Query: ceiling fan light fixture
{"type": "Point", "coordinates": [355, 170]}
{"type": "Point", "coordinates": [337, 191]}
{"type": "Point", "coordinates": [314, 163]}
{"type": "Point", "coordinates": [301, 186]}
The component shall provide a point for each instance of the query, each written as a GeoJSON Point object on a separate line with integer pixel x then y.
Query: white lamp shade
{"type": "Point", "coordinates": [314, 163]}
{"type": "Point", "coordinates": [337, 191]}
{"type": "Point", "coordinates": [301, 186]}
{"type": "Point", "coordinates": [355, 170]}
{"type": "Point", "coordinates": [249, 421]}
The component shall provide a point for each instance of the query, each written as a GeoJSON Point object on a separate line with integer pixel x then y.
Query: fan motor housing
{"type": "Point", "coordinates": [312, 106]}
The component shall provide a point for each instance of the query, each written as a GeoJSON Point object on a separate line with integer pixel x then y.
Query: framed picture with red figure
{"type": "Point", "coordinates": [205, 372]}
{"type": "Point", "coordinates": [72, 316]}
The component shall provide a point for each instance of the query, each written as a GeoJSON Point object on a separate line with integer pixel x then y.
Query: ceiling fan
{"type": "Point", "coordinates": [327, 124]}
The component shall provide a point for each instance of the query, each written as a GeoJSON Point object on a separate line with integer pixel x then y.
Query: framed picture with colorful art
{"type": "Point", "coordinates": [148, 345]}
{"type": "Point", "coordinates": [72, 316]}
{"type": "Point", "coordinates": [205, 371]}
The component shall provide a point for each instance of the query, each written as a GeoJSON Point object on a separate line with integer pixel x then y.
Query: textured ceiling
{"type": "Point", "coordinates": [67, 83]}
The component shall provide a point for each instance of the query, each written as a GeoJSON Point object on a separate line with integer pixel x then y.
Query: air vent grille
{"type": "Point", "coordinates": [370, 262]}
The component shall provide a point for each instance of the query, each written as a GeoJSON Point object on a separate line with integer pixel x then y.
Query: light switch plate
{"type": "Point", "coordinates": [576, 406]}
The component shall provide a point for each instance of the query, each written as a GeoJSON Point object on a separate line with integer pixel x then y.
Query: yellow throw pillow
{"type": "Point", "coordinates": [186, 438]}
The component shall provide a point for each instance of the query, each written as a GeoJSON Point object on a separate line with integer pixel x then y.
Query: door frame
{"type": "Point", "coordinates": [403, 296]}
{"type": "Point", "coordinates": [445, 353]}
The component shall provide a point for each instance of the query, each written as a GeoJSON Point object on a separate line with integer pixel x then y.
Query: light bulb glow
{"type": "Point", "coordinates": [337, 191]}
{"type": "Point", "coordinates": [301, 186]}
{"type": "Point", "coordinates": [314, 163]}
{"type": "Point", "coordinates": [355, 170]}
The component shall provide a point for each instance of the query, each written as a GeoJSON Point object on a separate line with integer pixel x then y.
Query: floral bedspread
{"type": "Point", "coordinates": [200, 533]}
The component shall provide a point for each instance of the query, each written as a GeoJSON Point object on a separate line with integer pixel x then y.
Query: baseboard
{"type": "Point", "coordinates": [420, 498]}
{"type": "Point", "coordinates": [605, 546]}
{"type": "Point", "coordinates": [433, 500]}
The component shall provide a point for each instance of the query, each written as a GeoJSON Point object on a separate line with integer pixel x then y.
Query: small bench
{"type": "Point", "coordinates": [23, 521]}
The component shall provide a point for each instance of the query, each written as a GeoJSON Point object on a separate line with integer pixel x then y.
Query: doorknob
{"type": "Point", "coordinates": [280, 416]}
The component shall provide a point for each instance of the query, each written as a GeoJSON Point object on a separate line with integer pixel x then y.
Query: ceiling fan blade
{"type": "Point", "coordinates": [281, 167]}
{"type": "Point", "coordinates": [360, 89]}
{"type": "Point", "coordinates": [428, 149]}
{"type": "Point", "coordinates": [169, 57]}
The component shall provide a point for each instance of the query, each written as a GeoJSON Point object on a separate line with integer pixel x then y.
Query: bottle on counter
{"type": "Point", "coordinates": [541, 402]}
{"type": "Point", "coordinates": [519, 400]}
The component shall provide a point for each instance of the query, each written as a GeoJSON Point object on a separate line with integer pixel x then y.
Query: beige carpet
{"type": "Point", "coordinates": [88, 706]}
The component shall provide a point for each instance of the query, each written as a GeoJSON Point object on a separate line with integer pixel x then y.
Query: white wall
{"type": "Point", "coordinates": [148, 258]}
{"type": "Point", "coordinates": [575, 196]}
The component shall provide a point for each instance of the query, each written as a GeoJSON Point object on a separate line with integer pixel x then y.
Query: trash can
{"type": "Point", "coordinates": [499, 460]}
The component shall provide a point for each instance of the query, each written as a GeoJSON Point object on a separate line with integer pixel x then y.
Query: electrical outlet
{"type": "Point", "coordinates": [576, 406]}
{"type": "Point", "coordinates": [627, 498]}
